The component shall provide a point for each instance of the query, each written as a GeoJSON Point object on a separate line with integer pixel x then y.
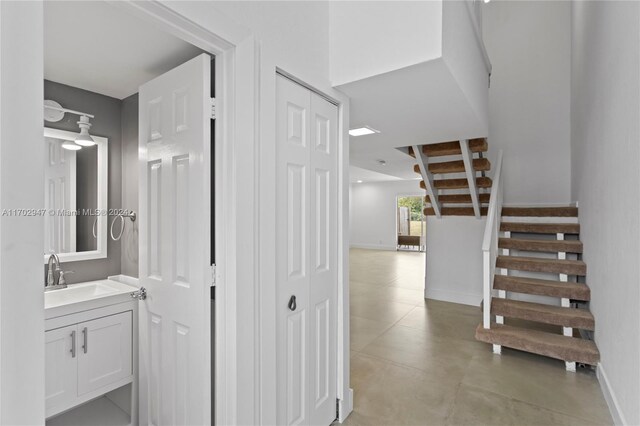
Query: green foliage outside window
{"type": "Point", "coordinates": [414, 204]}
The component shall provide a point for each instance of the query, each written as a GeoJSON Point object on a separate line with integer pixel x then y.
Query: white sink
{"type": "Point", "coordinates": [76, 296]}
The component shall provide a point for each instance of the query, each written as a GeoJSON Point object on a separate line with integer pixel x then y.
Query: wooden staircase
{"type": "Point", "coordinates": [553, 330]}
{"type": "Point", "coordinates": [448, 194]}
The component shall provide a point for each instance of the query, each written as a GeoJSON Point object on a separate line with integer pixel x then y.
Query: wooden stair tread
{"type": "Point", "coordinates": [565, 348]}
{"type": "Point", "coordinates": [567, 246]}
{"type": "Point", "coordinates": [455, 211]}
{"type": "Point", "coordinates": [453, 147]}
{"type": "Point", "coordinates": [481, 182]}
{"type": "Point", "coordinates": [568, 290]}
{"type": "Point", "coordinates": [479, 165]}
{"type": "Point", "coordinates": [459, 198]}
{"type": "Point", "coordinates": [547, 314]}
{"type": "Point", "coordinates": [541, 228]}
{"type": "Point", "coordinates": [535, 264]}
{"type": "Point", "coordinates": [540, 211]}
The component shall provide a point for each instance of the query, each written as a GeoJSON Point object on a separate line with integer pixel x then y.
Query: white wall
{"type": "Point", "coordinates": [605, 111]}
{"type": "Point", "coordinates": [374, 37]}
{"type": "Point", "coordinates": [454, 259]}
{"type": "Point", "coordinates": [295, 33]}
{"type": "Point", "coordinates": [464, 53]}
{"type": "Point", "coordinates": [21, 237]}
{"type": "Point", "coordinates": [373, 212]}
{"type": "Point", "coordinates": [529, 45]}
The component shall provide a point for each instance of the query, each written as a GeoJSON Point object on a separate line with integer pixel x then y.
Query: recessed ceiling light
{"type": "Point", "coordinates": [382, 162]}
{"type": "Point", "coordinates": [361, 131]}
{"type": "Point", "coordinates": [359, 181]}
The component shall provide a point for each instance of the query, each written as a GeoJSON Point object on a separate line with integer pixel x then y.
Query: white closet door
{"type": "Point", "coordinates": [323, 273]}
{"type": "Point", "coordinates": [174, 147]}
{"type": "Point", "coordinates": [306, 256]}
{"type": "Point", "coordinates": [292, 256]}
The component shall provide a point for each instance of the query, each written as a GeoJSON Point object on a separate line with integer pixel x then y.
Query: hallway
{"type": "Point", "coordinates": [416, 362]}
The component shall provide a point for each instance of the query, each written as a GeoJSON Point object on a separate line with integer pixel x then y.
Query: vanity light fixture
{"type": "Point", "coordinates": [71, 146]}
{"type": "Point", "coordinates": [54, 112]}
{"type": "Point", "coordinates": [362, 131]}
{"type": "Point", "coordinates": [84, 138]}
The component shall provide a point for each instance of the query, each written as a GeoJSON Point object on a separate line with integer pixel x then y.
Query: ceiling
{"type": "Point", "coordinates": [99, 47]}
{"type": "Point", "coordinates": [358, 174]}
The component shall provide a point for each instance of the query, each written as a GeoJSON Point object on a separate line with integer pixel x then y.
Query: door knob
{"type": "Point", "coordinates": [140, 294]}
{"type": "Point", "coordinates": [292, 303]}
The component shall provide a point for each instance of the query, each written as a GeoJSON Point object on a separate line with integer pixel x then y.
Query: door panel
{"type": "Point", "coordinates": [104, 351]}
{"type": "Point", "coordinates": [323, 280]}
{"type": "Point", "coordinates": [292, 250]}
{"type": "Point", "coordinates": [306, 195]}
{"type": "Point", "coordinates": [175, 350]}
{"type": "Point", "coordinates": [61, 371]}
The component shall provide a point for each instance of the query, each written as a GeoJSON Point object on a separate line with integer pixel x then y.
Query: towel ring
{"type": "Point", "coordinates": [95, 231]}
{"type": "Point", "coordinates": [121, 227]}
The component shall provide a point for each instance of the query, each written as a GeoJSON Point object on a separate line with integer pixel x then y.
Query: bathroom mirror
{"type": "Point", "coordinates": [75, 192]}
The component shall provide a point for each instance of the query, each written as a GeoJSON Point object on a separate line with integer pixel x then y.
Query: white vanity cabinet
{"type": "Point", "coordinates": [61, 384]}
{"type": "Point", "coordinates": [88, 354]}
{"type": "Point", "coordinates": [105, 355]}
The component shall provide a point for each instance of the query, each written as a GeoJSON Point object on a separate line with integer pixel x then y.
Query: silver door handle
{"type": "Point", "coordinates": [85, 336]}
{"type": "Point", "coordinates": [73, 344]}
{"type": "Point", "coordinates": [140, 294]}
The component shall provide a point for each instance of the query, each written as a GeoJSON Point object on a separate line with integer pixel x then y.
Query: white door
{"type": "Point", "coordinates": [174, 147]}
{"type": "Point", "coordinates": [104, 351]}
{"type": "Point", "coordinates": [60, 194]}
{"type": "Point", "coordinates": [306, 256]}
{"type": "Point", "coordinates": [60, 368]}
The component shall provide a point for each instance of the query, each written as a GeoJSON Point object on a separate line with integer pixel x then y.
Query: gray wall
{"type": "Point", "coordinates": [129, 261]}
{"type": "Point", "coordinates": [605, 132]}
{"type": "Point", "coordinates": [107, 123]}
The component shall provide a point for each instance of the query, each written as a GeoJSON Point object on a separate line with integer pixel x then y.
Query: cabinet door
{"type": "Point", "coordinates": [60, 368]}
{"type": "Point", "coordinates": [104, 351]}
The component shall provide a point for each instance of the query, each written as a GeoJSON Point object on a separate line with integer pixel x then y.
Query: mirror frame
{"type": "Point", "coordinates": [103, 187]}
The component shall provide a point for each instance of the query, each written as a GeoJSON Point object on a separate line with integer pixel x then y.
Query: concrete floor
{"type": "Point", "coordinates": [416, 362]}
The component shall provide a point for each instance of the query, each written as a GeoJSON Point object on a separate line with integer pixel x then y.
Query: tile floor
{"type": "Point", "coordinates": [416, 362]}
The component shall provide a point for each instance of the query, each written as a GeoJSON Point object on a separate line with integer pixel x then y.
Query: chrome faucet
{"type": "Point", "coordinates": [52, 282]}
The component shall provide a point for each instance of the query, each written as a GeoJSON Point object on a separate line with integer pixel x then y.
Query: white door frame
{"type": "Point", "coordinates": [235, 51]}
{"type": "Point", "coordinates": [21, 237]}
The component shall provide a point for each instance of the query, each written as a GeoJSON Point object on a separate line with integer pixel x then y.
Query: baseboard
{"type": "Point", "coordinates": [373, 246]}
{"type": "Point", "coordinates": [610, 397]}
{"type": "Point", "coordinates": [453, 296]}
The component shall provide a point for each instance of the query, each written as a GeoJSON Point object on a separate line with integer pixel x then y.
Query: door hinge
{"type": "Point", "coordinates": [213, 108]}
{"type": "Point", "coordinates": [213, 275]}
